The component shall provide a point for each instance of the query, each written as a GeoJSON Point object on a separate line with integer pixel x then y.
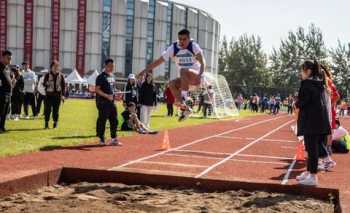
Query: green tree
{"type": "Point", "coordinates": [341, 67]}
{"type": "Point", "coordinates": [243, 62]}
{"type": "Point", "coordinates": [298, 46]}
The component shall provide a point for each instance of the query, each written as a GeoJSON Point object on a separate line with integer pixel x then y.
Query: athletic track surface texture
{"type": "Point", "coordinates": [255, 149]}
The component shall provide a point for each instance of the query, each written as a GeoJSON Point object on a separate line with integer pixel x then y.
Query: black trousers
{"type": "Point", "coordinates": [16, 104]}
{"type": "Point", "coordinates": [40, 100]}
{"type": "Point", "coordinates": [106, 111]}
{"type": "Point", "coordinates": [290, 110]}
{"type": "Point", "coordinates": [207, 109]}
{"type": "Point", "coordinates": [4, 110]}
{"type": "Point", "coordinates": [170, 108]}
{"type": "Point", "coordinates": [312, 144]}
{"type": "Point", "coordinates": [52, 104]}
{"type": "Point", "coordinates": [29, 99]}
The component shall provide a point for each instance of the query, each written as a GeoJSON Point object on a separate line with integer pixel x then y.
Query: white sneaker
{"type": "Point", "coordinates": [16, 118]}
{"type": "Point", "coordinates": [321, 166]}
{"type": "Point", "coordinates": [102, 143]}
{"type": "Point", "coordinates": [302, 176]}
{"type": "Point", "coordinates": [329, 164]}
{"type": "Point", "coordinates": [27, 117]}
{"type": "Point", "coordinates": [115, 142]}
{"type": "Point", "coordinates": [310, 180]}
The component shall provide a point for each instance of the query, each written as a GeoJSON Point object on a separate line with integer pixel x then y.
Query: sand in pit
{"type": "Point", "coordinates": [112, 197]}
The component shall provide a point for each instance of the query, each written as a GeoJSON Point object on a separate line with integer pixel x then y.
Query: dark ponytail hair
{"type": "Point", "coordinates": [314, 66]}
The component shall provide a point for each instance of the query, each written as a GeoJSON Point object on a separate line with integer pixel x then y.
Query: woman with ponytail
{"type": "Point", "coordinates": [313, 121]}
{"type": "Point", "coordinates": [331, 97]}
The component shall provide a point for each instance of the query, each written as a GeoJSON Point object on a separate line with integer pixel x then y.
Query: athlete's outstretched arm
{"type": "Point", "coordinates": [201, 60]}
{"type": "Point", "coordinates": [153, 65]}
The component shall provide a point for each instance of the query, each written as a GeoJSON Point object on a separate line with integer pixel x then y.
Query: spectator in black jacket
{"type": "Point", "coordinates": [55, 87]}
{"type": "Point", "coordinates": [148, 99]}
{"type": "Point", "coordinates": [132, 93]}
{"type": "Point", "coordinates": [5, 87]}
{"type": "Point", "coordinates": [17, 93]}
{"type": "Point", "coordinates": [313, 121]}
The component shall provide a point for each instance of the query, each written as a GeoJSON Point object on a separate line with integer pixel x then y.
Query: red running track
{"type": "Point", "coordinates": [256, 149]}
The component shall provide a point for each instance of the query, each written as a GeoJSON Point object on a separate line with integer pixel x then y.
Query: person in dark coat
{"type": "Point", "coordinates": [17, 94]}
{"type": "Point", "coordinates": [55, 87]}
{"type": "Point", "coordinates": [5, 88]}
{"type": "Point", "coordinates": [313, 121]}
{"type": "Point", "coordinates": [148, 99]}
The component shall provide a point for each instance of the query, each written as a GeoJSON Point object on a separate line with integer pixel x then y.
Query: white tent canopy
{"type": "Point", "coordinates": [75, 78]}
{"type": "Point", "coordinates": [92, 78]}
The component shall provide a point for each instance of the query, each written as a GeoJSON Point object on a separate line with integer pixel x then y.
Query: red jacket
{"type": "Point", "coordinates": [334, 98]}
{"type": "Point", "coordinates": [169, 97]}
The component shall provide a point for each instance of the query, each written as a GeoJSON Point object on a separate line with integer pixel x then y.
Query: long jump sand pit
{"type": "Point", "coordinates": [117, 197]}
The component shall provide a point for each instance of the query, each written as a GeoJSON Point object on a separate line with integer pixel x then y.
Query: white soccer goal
{"type": "Point", "coordinates": [223, 104]}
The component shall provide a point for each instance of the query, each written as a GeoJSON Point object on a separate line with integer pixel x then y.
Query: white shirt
{"type": "Point", "coordinates": [30, 80]}
{"type": "Point", "coordinates": [184, 59]}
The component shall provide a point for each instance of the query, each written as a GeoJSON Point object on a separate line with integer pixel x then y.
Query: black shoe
{"type": "Point", "coordinates": [55, 125]}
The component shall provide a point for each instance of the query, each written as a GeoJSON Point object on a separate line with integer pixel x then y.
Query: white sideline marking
{"type": "Point", "coordinates": [290, 168]}
{"type": "Point", "coordinates": [173, 164]}
{"type": "Point", "coordinates": [242, 149]}
{"type": "Point", "coordinates": [254, 161]}
{"type": "Point", "coordinates": [194, 142]}
{"type": "Point", "coordinates": [152, 171]}
{"type": "Point", "coordinates": [265, 156]}
{"type": "Point", "coordinates": [203, 152]}
{"type": "Point", "coordinates": [216, 158]}
{"type": "Point", "coordinates": [225, 153]}
{"type": "Point", "coordinates": [272, 140]}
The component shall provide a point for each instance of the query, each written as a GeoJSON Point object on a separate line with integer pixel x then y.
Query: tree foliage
{"type": "Point", "coordinates": [341, 67]}
{"type": "Point", "coordinates": [298, 46]}
{"type": "Point", "coordinates": [243, 62]}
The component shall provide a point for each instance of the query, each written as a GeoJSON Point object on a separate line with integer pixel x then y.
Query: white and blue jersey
{"type": "Point", "coordinates": [184, 58]}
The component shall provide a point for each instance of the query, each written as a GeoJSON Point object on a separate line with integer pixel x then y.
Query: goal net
{"type": "Point", "coordinates": [215, 93]}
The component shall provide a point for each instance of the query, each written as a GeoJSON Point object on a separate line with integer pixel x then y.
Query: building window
{"type": "Point", "coordinates": [150, 31]}
{"type": "Point", "coordinates": [169, 33]}
{"type": "Point", "coordinates": [130, 10]}
{"type": "Point", "coordinates": [106, 30]}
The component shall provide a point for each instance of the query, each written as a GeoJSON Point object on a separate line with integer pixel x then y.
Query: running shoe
{"type": "Point", "coordinates": [310, 180]}
{"type": "Point", "coordinates": [303, 176]}
{"type": "Point", "coordinates": [115, 142]}
{"type": "Point", "coordinates": [102, 143]}
{"type": "Point", "coordinates": [329, 164]}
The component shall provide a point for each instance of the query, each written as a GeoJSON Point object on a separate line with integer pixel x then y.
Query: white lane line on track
{"type": "Point", "coordinates": [266, 156]}
{"type": "Point", "coordinates": [226, 153]}
{"type": "Point", "coordinates": [153, 171]}
{"type": "Point", "coordinates": [210, 158]}
{"type": "Point", "coordinates": [195, 142]}
{"type": "Point", "coordinates": [174, 164]}
{"type": "Point", "coordinates": [202, 152]}
{"type": "Point", "coordinates": [289, 171]}
{"type": "Point", "coordinates": [269, 140]}
{"type": "Point", "coordinates": [242, 149]}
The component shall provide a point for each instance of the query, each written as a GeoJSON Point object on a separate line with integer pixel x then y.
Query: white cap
{"type": "Point", "coordinates": [131, 76]}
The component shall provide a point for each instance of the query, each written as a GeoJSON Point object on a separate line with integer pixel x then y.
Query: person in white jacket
{"type": "Point", "coordinates": [30, 81]}
{"type": "Point", "coordinates": [41, 92]}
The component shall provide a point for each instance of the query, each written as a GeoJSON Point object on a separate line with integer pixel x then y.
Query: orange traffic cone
{"type": "Point", "coordinates": [166, 142]}
{"type": "Point", "coordinates": [300, 155]}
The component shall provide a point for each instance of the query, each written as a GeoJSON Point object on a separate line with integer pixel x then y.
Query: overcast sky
{"type": "Point", "coordinates": [272, 19]}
